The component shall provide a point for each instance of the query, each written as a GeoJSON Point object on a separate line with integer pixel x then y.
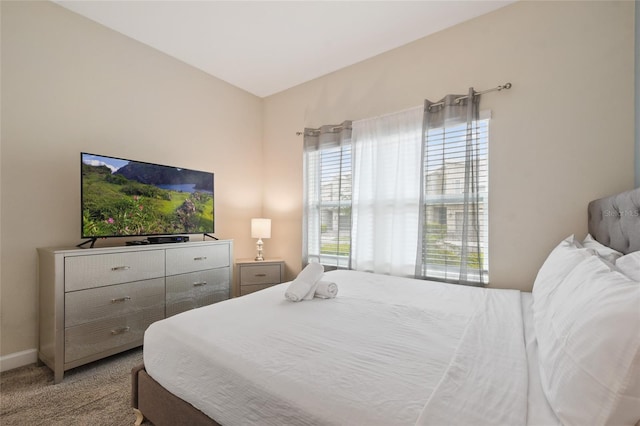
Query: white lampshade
{"type": "Point", "coordinates": [260, 228]}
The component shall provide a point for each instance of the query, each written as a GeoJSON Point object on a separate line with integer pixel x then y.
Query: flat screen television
{"type": "Point", "coordinates": [126, 198]}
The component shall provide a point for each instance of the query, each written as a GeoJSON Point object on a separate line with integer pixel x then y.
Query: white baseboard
{"type": "Point", "coordinates": [18, 359]}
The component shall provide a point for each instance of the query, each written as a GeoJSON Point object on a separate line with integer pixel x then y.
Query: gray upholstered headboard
{"type": "Point", "coordinates": [615, 221]}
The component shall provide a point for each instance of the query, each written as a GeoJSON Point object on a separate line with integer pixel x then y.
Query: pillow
{"type": "Point", "coordinates": [606, 252]}
{"type": "Point", "coordinates": [562, 259]}
{"type": "Point", "coordinates": [589, 346]}
{"type": "Point", "coordinates": [629, 264]}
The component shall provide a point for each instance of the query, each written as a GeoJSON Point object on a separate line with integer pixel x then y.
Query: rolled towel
{"type": "Point", "coordinates": [312, 292]}
{"type": "Point", "coordinates": [326, 290]}
{"type": "Point", "coordinates": [304, 283]}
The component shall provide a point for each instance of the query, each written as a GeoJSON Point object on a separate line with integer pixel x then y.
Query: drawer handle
{"type": "Point", "coordinates": [120, 330]}
{"type": "Point", "coordinates": [200, 258]}
{"type": "Point", "coordinates": [120, 299]}
{"type": "Point", "coordinates": [261, 275]}
{"type": "Point", "coordinates": [121, 268]}
{"type": "Point", "coordinates": [199, 284]}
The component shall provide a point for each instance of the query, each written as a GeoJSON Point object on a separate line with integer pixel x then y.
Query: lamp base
{"type": "Point", "coordinates": [259, 257]}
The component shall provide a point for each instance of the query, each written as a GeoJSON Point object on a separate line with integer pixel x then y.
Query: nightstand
{"type": "Point", "coordinates": [256, 275]}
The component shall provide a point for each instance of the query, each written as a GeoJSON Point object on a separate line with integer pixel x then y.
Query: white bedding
{"type": "Point", "coordinates": [539, 412]}
{"type": "Point", "coordinates": [386, 351]}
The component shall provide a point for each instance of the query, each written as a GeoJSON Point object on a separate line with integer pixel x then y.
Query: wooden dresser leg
{"type": "Point", "coordinates": [139, 417]}
{"type": "Point", "coordinates": [58, 375]}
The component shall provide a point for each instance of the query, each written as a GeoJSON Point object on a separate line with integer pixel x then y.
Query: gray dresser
{"type": "Point", "coordinates": [98, 302]}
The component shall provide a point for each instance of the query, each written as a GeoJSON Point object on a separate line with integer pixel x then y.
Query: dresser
{"type": "Point", "coordinates": [98, 302]}
{"type": "Point", "coordinates": [257, 275]}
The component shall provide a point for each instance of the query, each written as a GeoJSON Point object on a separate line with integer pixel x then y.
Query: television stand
{"type": "Point", "coordinates": [91, 240]}
{"type": "Point", "coordinates": [208, 235]}
{"type": "Point", "coordinates": [96, 304]}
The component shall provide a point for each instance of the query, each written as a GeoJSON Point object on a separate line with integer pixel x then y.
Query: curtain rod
{"type": "Point", "coordinates": [495, 89]}
{"type": "Point", "coordinates": [333, 130]}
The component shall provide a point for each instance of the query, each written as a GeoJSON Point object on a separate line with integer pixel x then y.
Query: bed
{"type": "Point", "coordinates": [428, 354]}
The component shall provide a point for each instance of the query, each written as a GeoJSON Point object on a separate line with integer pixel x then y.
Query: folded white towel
{"type": "Point", "coordinates": [311, 292]}
{"type": "Point", "coordinates": [326, 290]}
{"type": "Point", "coordinates": [305, 282]}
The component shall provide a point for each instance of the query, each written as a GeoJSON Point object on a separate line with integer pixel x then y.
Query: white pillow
{"type": "Point", "coordinates": [606, 252]}
{"type": "Point", "coordinates": [555, 268]}
{"type": "Point", "coordinates": [629, 264]}
{"type": "Point", "coordinates": [589, 346]}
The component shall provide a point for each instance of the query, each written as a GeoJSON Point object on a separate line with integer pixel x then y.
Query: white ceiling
{"type": "Point", "coordinates": [265, 47]}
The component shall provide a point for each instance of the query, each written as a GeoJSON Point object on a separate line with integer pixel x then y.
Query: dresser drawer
{"type": "Point", "coordinates": [103, 302]}
{"type": "Point", "coordinates": [91, 271]}
{"type": "Point", "coordinates": [260, 274]}
{"type": "Point", "coordinates": [183, 260]}
{"type": "Point", "coordinates": [98, 336]}
{"type": "Point", "coordinates": [196, 289]}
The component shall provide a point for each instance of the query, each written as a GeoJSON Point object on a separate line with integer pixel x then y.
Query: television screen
{"type": "Point", "coordinates": [132, 198]}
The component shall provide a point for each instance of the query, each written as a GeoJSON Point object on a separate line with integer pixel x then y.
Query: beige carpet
{"type": "Point", "coordinates": [95, 394]}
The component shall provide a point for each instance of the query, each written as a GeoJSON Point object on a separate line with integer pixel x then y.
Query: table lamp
{"type": "Point", "coordinates": [260, 228]}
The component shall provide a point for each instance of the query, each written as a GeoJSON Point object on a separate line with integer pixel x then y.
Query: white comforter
{"type": "Point", "coordinates": [386, 351]}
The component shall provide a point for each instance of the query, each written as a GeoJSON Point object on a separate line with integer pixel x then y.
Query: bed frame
{"type": "Point", "coordinates": [613, 221]}
{"type": "Point", "coordinates": [160, 406]}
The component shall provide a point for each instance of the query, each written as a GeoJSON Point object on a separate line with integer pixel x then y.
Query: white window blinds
{"type": "Point", "coordinates": [327, 204]}
{"type": "Point", "coordinates": [455, 212]}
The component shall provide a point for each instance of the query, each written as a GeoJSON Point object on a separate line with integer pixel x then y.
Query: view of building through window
{"type": "Point", "coordinates": [445, 168]}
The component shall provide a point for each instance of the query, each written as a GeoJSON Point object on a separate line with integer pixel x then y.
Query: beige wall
{"type": "Point", "coordinates": [71, 85]}
{"type": "Point", "coordinates": [563, 135]}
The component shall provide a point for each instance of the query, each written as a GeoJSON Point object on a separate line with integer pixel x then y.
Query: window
{"type": "Point", "coordinates": [387, 201]}
{"type": "Point", "coordinates": [327, 218]}
{"type": "Point", "coordinates": [447, 157]}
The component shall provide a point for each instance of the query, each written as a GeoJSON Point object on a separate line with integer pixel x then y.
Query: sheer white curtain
{"type": "Point", "coordinates": [386, 192]}
{"type": "Point", "coordinates": [454, 207]}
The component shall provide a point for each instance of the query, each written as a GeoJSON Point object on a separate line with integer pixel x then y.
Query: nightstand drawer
{"type": "Point", "coordinates": [247, 289]}
{"type": "Point", "coordinates": [105, 269]}
{"type": "Point", "coordinates": [260, 274]}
